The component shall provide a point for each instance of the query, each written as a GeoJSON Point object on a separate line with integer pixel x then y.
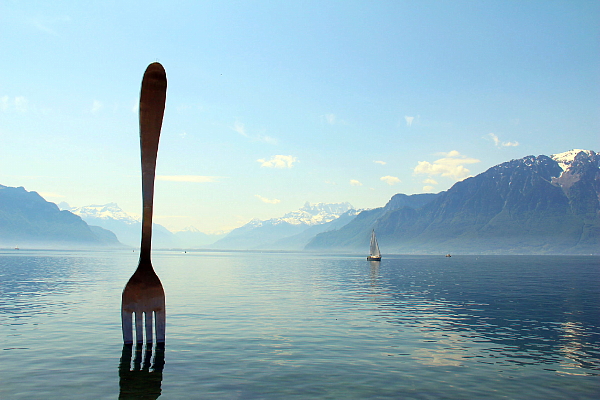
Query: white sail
{"type": "Point", "coordinates": [374, 246]}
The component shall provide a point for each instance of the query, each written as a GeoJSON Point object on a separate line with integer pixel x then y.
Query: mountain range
{"type": "Point", "coordinates": [540, 205]}
{"type": "Point", "coordinates": [290, 232]}
{"type": "Point", "coordinates": [129, 228]}
{"type": "Point", "coordinates": [26, 219]}
{"type": "Point", "coordinates": [533, 205]}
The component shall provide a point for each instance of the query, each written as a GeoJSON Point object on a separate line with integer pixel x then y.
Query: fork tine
{"type": "Point", "coordinates": [147, 359]}
{"type": "Point", "coordinates": [139, 332]}
{"type": "Point", "coordinates": [148, 318]}
{"type": "Point", "coordinates": [137, 361]}
{"type": "Point", "coordinates": [160, 317]}
{"type": "Point", "coordinates": [127, 326]}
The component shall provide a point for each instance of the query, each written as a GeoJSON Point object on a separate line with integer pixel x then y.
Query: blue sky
{"type": "Point", "coordinates": [272, 104]}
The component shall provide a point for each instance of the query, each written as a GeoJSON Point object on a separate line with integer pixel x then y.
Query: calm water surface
{"type": "Point", "coordinates": [274, 326]}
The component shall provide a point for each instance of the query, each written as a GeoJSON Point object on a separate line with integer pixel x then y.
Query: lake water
{"type": "Point", "coordinates": [301, 326]}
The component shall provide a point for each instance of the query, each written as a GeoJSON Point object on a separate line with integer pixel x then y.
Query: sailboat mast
{"type": "Point", "coordinates": [374, 245]}
{"type": "Point", "coordinates": [374, 249]}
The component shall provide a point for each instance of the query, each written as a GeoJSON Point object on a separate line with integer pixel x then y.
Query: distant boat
{"type": "Point", "coordinates": [375, 253]}
{"type": "Point", "coordinates": [448, 255]}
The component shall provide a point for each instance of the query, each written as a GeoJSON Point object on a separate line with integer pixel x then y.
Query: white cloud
{"type": "Point", "coordinates": [427, 189]}
{"type": "Point", "coordinates": [430, 181]}
{"type": "Point", "coordinates": [44, 24]}
{"type": "Point", "coordinates": [451, 153]}
{"type": "Point", "coordinates": [267, 139]}
{"type": "Point", "coordinates": [330, 118]}
{"type": "Point", "coordinates": [278, 161]}
{"type": "Point", "coordinates": [265, 200]}
{"type": "Point", "coordinates": [451, 165]}
{"type": "Point", "coordinates": [409, 120]}
{"type": "Point", "coordinates": [11, 104]}
{"type": "Point", "coordinates": [20, 103]}
{"type": "Point", "coordinates": [499, 143]}
{"type": "Point", "coordinates": [495, 139]}
{"type": "Point", "coordinates": [380, 162]}
{"type": "Point", "coordinates": [96, 106]}
{"type": "Point", "coordinates": [390, 180]}
{"type": "Point", "coordinates": [354, 182]}
{"type": "Point", "coordinates": [240, 128]}
{"type": "Point", "coordinates": [187, 178]}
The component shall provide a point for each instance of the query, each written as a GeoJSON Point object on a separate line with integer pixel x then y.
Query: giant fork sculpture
{"type": "Point", "coordinates": [144, 294]}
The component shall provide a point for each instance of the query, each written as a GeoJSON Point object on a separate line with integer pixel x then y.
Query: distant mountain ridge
{"type": "Point", "coordinates": [351, 235]}
{"type": "Point", "coordinates": [27, 220]}
{"type": "Point", "coordinates": [299, 241]}
{"type": "Point", "coordinates": [105, 211]}
{"type": "Point", "coordinates": [533, 205]}
{"type": "Point", "coordinates": [128, 228]}
{"type": "Point", "coordinates": [274, 233]}
{"type": "Point", "coordinates": [542, 204]}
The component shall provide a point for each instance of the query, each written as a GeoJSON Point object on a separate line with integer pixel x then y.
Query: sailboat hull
{"type": "Point", "coordinates": [373, 258]}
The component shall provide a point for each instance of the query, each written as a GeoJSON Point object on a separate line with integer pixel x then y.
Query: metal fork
{"type": "Point", "coordinates": [144, 295]}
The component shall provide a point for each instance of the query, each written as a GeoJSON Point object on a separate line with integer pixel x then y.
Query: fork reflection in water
{"type": "Point", "coordinates": [140, 371]}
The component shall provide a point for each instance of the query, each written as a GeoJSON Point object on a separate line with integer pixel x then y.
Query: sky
{"type": "Point", "coordinates": [271, 104]}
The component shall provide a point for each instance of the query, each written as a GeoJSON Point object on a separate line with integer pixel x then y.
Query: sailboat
{"type": "Point", "coordinates": [375, 253]}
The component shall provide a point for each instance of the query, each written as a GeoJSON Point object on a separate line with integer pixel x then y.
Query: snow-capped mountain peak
{"type": "Point", "coordinates": [315, 214]}
{"type": "Point", "coordinates": [310, 214]}
{"type": "Point", "coordinates": [190, 229]}
{"type": "Point", "coordinates": [566, 159]}
{"type": "Point", "coordinates": [105, 211]}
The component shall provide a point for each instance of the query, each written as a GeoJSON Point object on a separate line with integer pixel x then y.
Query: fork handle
{"type": "Point", "coordinates": [152, 107]}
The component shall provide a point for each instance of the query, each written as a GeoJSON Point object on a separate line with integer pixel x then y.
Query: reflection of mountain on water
{"type": "Point", "coordinates": [140, 371]}
{"type": "Point", "coordinates": [533, 309]}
